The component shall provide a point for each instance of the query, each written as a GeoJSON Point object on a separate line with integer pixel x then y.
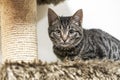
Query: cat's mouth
{"type": "Point", "coordinates": [65, 45]}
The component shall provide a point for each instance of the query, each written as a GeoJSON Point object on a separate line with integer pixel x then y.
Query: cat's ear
{"type": "Point", "coordinates": [52, 16]}
{"type": "Point", "coordinates": [78, 16]}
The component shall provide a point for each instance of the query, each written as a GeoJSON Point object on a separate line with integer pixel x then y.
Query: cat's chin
{"type": "Point", "coordinates": [65, 47]}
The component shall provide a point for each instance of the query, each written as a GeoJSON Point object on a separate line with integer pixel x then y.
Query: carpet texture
{"type": "Point", "coordinates": [67, 70]}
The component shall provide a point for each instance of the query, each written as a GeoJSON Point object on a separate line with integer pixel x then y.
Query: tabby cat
{"type": "Point", "coordinates": [72, 41]}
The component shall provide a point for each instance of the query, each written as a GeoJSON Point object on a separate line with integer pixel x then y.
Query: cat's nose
{"type": "Point", "coordinates": [64, 38]}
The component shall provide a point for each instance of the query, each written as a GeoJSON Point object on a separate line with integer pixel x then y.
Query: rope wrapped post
{"type": "Point", "coordinates": [18, 30]}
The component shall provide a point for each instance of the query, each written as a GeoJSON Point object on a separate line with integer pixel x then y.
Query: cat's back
{"type": "Point", "coordinates": [106, 44]}
{"type": "Point", "coordinates": [102, 39]}
{"type": "Point", "coordinates": [100, 34]}
{"type": "Point", "coordinates": [97, 33]}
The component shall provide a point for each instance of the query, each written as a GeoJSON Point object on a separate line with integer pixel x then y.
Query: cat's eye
{"type": "Point", "coordinates": [57, 31]}
{"type": "Point", "coordinates": [71, 31]}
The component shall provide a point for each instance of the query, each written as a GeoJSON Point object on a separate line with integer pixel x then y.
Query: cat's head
{"type": "Point", "coordinates": [65, 32]}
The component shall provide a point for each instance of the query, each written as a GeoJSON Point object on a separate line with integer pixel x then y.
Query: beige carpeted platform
{"type": "Point", "coordinates": [68, 70]}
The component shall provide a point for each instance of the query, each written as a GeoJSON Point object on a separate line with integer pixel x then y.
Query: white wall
{"type": "Point", "coordinates": [103, 14]}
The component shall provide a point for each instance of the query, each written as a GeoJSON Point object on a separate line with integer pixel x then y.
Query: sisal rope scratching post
{"type": "Point", "coordinates": [18, 30]}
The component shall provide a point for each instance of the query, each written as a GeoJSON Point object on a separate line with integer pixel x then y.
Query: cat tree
{"type": "Point", "coordinates": [19, 43]}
